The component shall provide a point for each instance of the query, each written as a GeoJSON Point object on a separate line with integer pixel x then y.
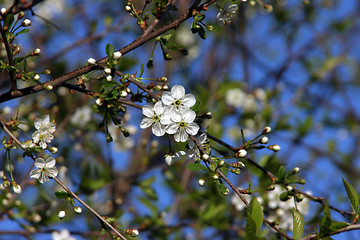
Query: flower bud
{"type": "Point", "coordinates": [48, 87]}
{"type": "Point", "coordinates": [226, 192]}
{"type": "Point", "coordinates": [78, 210]}
{"type": "Point", "coordinates": [99, 102]}
{"type": "Point", "coordinates": [3, 11]}
{"type": "Point", "coordinates": [109, 78]}
{"type": "Point", "coordinates": [264, 140]}
{"type": "Point", "coordinates": [107, 70]}
{"type": "Point", "coordinates": [276, 148]}
{"type": "Point", "coordinates": [208, 115]}
{"type": "Point", "coordinates": [36, 51]}
{"type": "Point", "coordinates": [267, 130]}
{"type": "Point", "coordinates": [165, 87]}
{"type": "Point", "coordinates": [299, 197]}
{"type": "Point", "coordinates": [205, 157]}
{"type": "Point", "coordinates": [26, 23]}
{"type": "Point", "coordinates": [163, 79]}
{"type": "Point", "coordinates": [301, 181]}
{"type": "Point", "coordinates": [117, 55]}
{"type": "Point", "coordinates": [16, 188]}
{"type": "Point", "coordinates": [36, 77]}
{"type": "Point", "coordinates": [53, 149]}
{"type": "Point", "coordinates": [61, 214]}
{"type": "Point", "coordinates": [296, 170]}
{"type": "Point", "coordinates": [221, 163]}
{"type": "Point", "coordinates": [6, 183]}
{"type": "Point", "coordinates": [289, 188]}
{"type": "Point", "coordinates": [202, 182]}
{"type": "Point", "coordinates": [91, 61]}
{"type": "Point", "coordinates": [242, 153]}
{"type": "Point", "coordinates": [128, 8]}
{"type": "Point", "coordinates": [123, 93]}
{"type": "Point", "coordinates": [21, 15]}
{"type": "Point", "coordinates": [271, 187]}
{"type": "Point", "coordinates": [215, 177]}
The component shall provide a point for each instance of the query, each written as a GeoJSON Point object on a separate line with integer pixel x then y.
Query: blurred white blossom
{"type": "Point", "coordinates": [64, 234]}
{"type": "Point", "coordinates": [45, 169]}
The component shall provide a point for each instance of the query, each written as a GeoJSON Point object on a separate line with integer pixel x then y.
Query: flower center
{"type": "Point", "coordinates": [182, 124]}
{"type": "Point", "coordinates": [177, 102]}
{"type": "Point", "coordinates": [156, 118]}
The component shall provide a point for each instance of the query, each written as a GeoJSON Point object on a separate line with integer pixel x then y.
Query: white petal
{"type": "Point", "coordinates": [43, 145]}
{"type": "Point", "coordinates": [159, 108]}
{"type": "Point", "coordinates": [147, 110]}
{"type": "Point", "coordinates": [46, 119]}
{"type": "Point", "coordinates": [176, 117]}
{"type": "Point", "coordinates": [165, 119]}
{"type": "Point", "coordinates": [172, 128]}
{"type": "Point", "coordinates": [232, 8]}
{"type": "Point", "coordinates": [181, 135]}
{"type": "Point", "coordinates": [35, 173]}
{"type": "Point", "coordinates": [158, 129]}
{"type": "Point", "coordinates": [39, 163]}
{"type": "Point", "coordinates": [167, 98]}
{"type": "Point", "coordinates": [220, 16]}
{"type": "Point", "coordinates": [169, 160]}
{"type": "Point", "coordinates": [178, 91]}
{"type": "Point", "coordinates": [203, 138]}
{"type": "Point", "coordinates": [189, 115]}
{"type": "Point", "coordinates": [50, 162]}
{"type": "Point", "coordinates": [191, 144]}
{"type": "Point", "coordinates": [192, 128]}
{"type": "Point", "coordinates": [52, 172]}
{"type": "Point", "coordinates": [189, 100]}
{"type": "Point", "coordinates": [146, 122]}
{"type": "Point", "coordinates": [38, 123]}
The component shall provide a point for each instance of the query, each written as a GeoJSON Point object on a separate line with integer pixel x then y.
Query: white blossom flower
{"type": "Point", "coordinates": [45, 169]}
{"type": "Point", "coordinates": [82, 116]}
{"type": "Point", "coordinates": [155, 117]}
{"type": "Point", "coordinates": [227, 13]}
{"type": "Point", "coordinates": [64, 234]}
{"type": "Point", "coordinates": [177, 100]}
{"type": "Point", "coordinates": [44, 132]}
{"type": "Point", "coordinates": [194, 152]}
{"type": "Point", "coordinates": [183, 125]}
{"type": "Point", "coordinates": [170, 159]}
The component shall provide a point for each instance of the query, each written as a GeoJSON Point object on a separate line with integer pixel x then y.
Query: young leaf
{"type": "Point", "coordinates": [110, 51]}
{"type": "Point", "coordinates": [281, 174]}
{"type": "Point", "coordinates": [61, 194]}
{"type": "Point", "coordinates": [325, 222]}
{"type": "Point", "coordinates": [196, 167]}
{"type": "Point", "coordinates": [298, 224]}
{"type": "Point", "coordinates": [338, 225]}
{"type": "Point", "coordinates": [353, 196]}
{"type": "Point", "coordinates": [250, 228]}
{"type": "Point", "coordinates": [141, 70]}
{"type": "Point", "coordinates": [256, 212]}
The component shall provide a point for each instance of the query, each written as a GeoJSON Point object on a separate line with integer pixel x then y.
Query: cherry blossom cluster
{"type": "Point", "coordinates": [172, 115]}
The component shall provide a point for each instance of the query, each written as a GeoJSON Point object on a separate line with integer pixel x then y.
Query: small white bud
{"type": "Point", "coordinates": [202, 182]}
{"type": "Point", "coordinates": [226, 192]}
{"type": "Point", "coordinates": [165, 87]}
{"type": "Point", "coordinates": [296, 170]}
{"type": "Point", "coordinates": [26, 23]}
{"type": "Point", "coordinates": [134, 233]}
{"type": "Point", "coordinates": [123, 94]}
{"type": "Point", "coordinates": [128, 90]}
{"type": "Point", "coordinates": [267, 130]}
{"type": "Point", "coordinates": [109, 78]}
{"type": "Point", "coordinates": [99, 102]}
{"type": "Point", "coordinates": [276, 148]}
{"type": "Point", "coordinates": [53, 149]}
{"type": "Point", "coordinates": [78, 210]}
{"type": "Point", "coordinates": [289, 188]}
{"type": "Point", "coordinates": [3, 11]}
{"type": "Point", "coordinates": [128, 8]}
{"type": "Point", "coordinates": [91, 61]}
{"type": "Point", "coordinates": [61, 214]}
{"type": "Point", "coordinates": [37, 51]}
{"type": "Point", "coordinates": [264, 140]}
{"type": "Point", "coordinates": [117, 55]}
{"type": "Point", "coordinates": [205, 157]}
{"type": "Point", "coordinates": [107, 70]}
{"type": "Point", "coordinates": [242, 153]}
{"type": "Point", "coordinates": [215, 176]}
{"type": "Point", "coordinates": [49, 87]}
{"type": "Point", "coordinates": [16, 188]}
{"type": "Point", "coordinates": [36, 77]}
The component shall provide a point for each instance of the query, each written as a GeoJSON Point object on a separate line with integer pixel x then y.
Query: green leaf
{"type": "Point", "coordinates": [338, 225]}
{"type": "Point", "coordinates": [9, 20]}
{"type": "Point", "coordinates": [22, 31]}
{"type": "Point", "coordinates": [141, 70]}
{"type": "Point", "coordinates": [256, 212]}
{"type": "Point", "coordinates": [250, 228]}
{"type": "Point", "coordinates": [201, 32]}
{"type": "Point", "coordinates": [196, 167]}
{"type": "Point", "coordinates": [325, 222]}
{"type": "Point", "coordinates": [281, 174]}
{"type": "Point", "coordinates": [353, 196]}
{"type": "Point", "coordinates": [298, 224]}
{"type": "Point", "coordinates": [110, 51]}
{"type": "Point", "coordinates": [196, 106]}
{"type": "Point", "coordinates": [61, 194]}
